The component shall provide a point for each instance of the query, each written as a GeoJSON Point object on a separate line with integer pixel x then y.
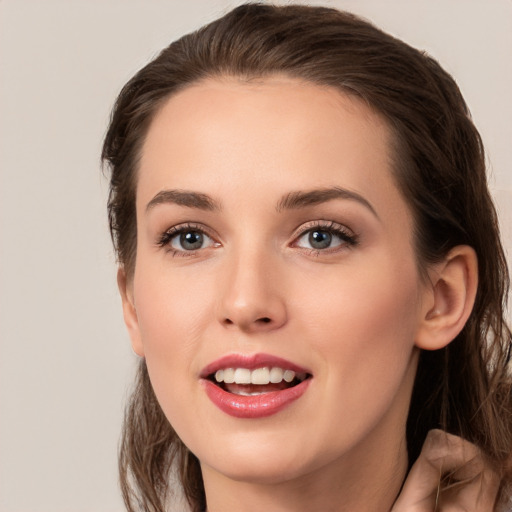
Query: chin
{"type": "Point", "coordinates": [258, 471]}
{"type": "Point", "coordinates": [265, 459]}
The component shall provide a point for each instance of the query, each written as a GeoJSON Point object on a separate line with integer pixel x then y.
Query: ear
{"type": "Point", "coordinates": [450, 297]}
{"type": "Point", "coordinates": [129, 312]}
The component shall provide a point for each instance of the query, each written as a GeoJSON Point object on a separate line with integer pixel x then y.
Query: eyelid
{"type": "Point", "coordinates": [164, 239]}
{"type": "Point", "coordinates": [348, 236]}
{"type": "Point", "coordinates": [322, 224]}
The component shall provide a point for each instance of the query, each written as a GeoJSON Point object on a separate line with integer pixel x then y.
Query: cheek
{"type": "Point", "coordinates": [170, 306]}
{"type": "Point", "coordinates": [172, 314]}
{"type": "Point", "coordinates": [366, 321]}
{"type": "Point", "coordinates": [362, 329]}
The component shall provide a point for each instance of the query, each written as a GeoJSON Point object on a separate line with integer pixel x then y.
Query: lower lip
{"type": "Point", "coordinates": [257, 406]}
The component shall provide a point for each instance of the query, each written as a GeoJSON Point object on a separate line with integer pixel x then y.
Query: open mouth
{"type": "Point", "coordinates": [258, 381]}
{"type": "Point", "coordinates": [254, 386]}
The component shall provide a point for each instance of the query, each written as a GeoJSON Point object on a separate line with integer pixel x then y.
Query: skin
{"type": "Point", "coordinates": [354, 314]}
{"type": "Point", "coordinates": [473, 482]}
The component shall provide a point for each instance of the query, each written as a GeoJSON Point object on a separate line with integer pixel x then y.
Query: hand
{"type": "Point", "coordinates": [471, 484]}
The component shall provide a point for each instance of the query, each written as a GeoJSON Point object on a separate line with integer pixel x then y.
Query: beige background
{"type": "Point", "coordinates": [65, 360]}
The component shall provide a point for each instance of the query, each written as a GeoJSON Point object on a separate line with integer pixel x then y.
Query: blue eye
{"type": "Point", "coordinates": [190, 240]}
{"type": "Point", "coordinates": [184, 239]}
{"type": "Point", "coordinates": [320, 238]}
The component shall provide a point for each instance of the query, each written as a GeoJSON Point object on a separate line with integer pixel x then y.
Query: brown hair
{"type": "Point", "coordinates": [440, 169]}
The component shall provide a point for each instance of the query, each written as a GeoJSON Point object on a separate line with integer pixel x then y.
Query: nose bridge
{"type": "Point", "coordinates": [252, 299]}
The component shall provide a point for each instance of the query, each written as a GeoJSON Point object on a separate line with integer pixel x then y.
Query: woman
{"type": "Point", "coordinates": [311, 272]}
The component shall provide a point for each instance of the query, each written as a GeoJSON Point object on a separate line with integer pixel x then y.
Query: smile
{"type": "Point", "coordinates": [254, 386]}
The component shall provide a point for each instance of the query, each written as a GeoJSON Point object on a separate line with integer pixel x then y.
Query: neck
{"type": "Point", "coordinates": [366, 480]}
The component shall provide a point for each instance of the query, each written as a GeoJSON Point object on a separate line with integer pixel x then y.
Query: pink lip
{"type": "Point", "coordinates": [257, 406]}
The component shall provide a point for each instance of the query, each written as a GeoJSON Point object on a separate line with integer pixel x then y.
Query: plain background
{"type": "Point", "coordinates": [65, 361]}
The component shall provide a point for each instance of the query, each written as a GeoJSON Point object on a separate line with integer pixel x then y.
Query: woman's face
{"type": "Point", "coordinates": [272, 239]}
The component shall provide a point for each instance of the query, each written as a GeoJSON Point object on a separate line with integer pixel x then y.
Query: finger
{"type": "Point", "coordinates": [471, 484]}
{"type": "Point", "coordinates": [420, 490]}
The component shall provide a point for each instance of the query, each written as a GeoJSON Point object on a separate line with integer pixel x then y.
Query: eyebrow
{"type": "Point", "coordinates": [184, 198]}
{"type": "Point", "coordinates": [291, 201]}
{"type": "Point", "coordinates": [303, 199]}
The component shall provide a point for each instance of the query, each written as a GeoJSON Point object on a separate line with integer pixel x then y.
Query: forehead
{"type": "Point", "coordinates": [275, 105]}
{"type": "Point", "coordinates": [277, 134]}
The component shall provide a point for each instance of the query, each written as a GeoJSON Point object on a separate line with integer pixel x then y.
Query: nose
{"type": "Point", "coordinates": [252, 298]}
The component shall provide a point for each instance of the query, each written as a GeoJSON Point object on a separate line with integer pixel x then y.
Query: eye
{"type": "Point", "coordinates": [183, 239]}
{"type": "Point", "coordinates": [325, 237]}
{"type": "Point", "coordinates": [190, 241]}
{"type": "Point", "coordinates": [319, 239]}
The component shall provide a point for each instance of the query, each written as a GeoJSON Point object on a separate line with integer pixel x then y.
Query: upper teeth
{"type": "Point", "coordinates": [259, 376]}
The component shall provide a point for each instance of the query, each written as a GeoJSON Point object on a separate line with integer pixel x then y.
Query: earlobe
{"type": "Point", "coordinates": [452, 295]}
{"type": "Point", "coordinates": [129, 311]}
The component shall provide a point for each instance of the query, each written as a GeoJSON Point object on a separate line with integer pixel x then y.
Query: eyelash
{"type": "Point", "coordinates": [348, 238]}
{"type": "Point", "coordinates": [166, 238]}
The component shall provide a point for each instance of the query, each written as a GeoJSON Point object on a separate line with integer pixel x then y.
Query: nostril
{"type": "Point", "coordinates": [248, 324]}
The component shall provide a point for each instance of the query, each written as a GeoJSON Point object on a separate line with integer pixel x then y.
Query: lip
{"type": "Point", "coordinates": [257, 406]}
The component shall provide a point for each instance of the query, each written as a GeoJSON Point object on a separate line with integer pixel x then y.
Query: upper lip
{"type": "Point", "coordinates": [250, 362]}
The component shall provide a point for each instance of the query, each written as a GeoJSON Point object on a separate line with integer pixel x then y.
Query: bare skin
{"type": "Point", "coordinates": [473, 483]}
{"type": "Point", "coordinates": [251, 172]}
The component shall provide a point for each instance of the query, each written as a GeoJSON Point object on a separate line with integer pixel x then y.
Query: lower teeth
{"type": "Point", "coordinates": [246, 393]}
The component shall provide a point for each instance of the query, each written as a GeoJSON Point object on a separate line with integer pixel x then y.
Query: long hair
{"type": "Point", "coordinates": [439, 166]}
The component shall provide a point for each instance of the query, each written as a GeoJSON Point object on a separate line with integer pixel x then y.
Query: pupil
{"type": "Point", "coordinates": [320, 239]}
{"type": "Point", "coordinates": [191, 240]}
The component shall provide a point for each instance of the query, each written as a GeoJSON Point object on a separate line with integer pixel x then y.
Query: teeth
{"type": "Point", "coordinates": [229, 376]}
{"type": "Point", "coordinates": [276, 375]}
{"type": "Point", "coordinates": [258, 376]}
{"type": "Point", "coordinates": [288, 375]}
{"type": "Point", "coordinates": [242, 376]}
{"type": "Point", "coordinates": [245, 393]}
